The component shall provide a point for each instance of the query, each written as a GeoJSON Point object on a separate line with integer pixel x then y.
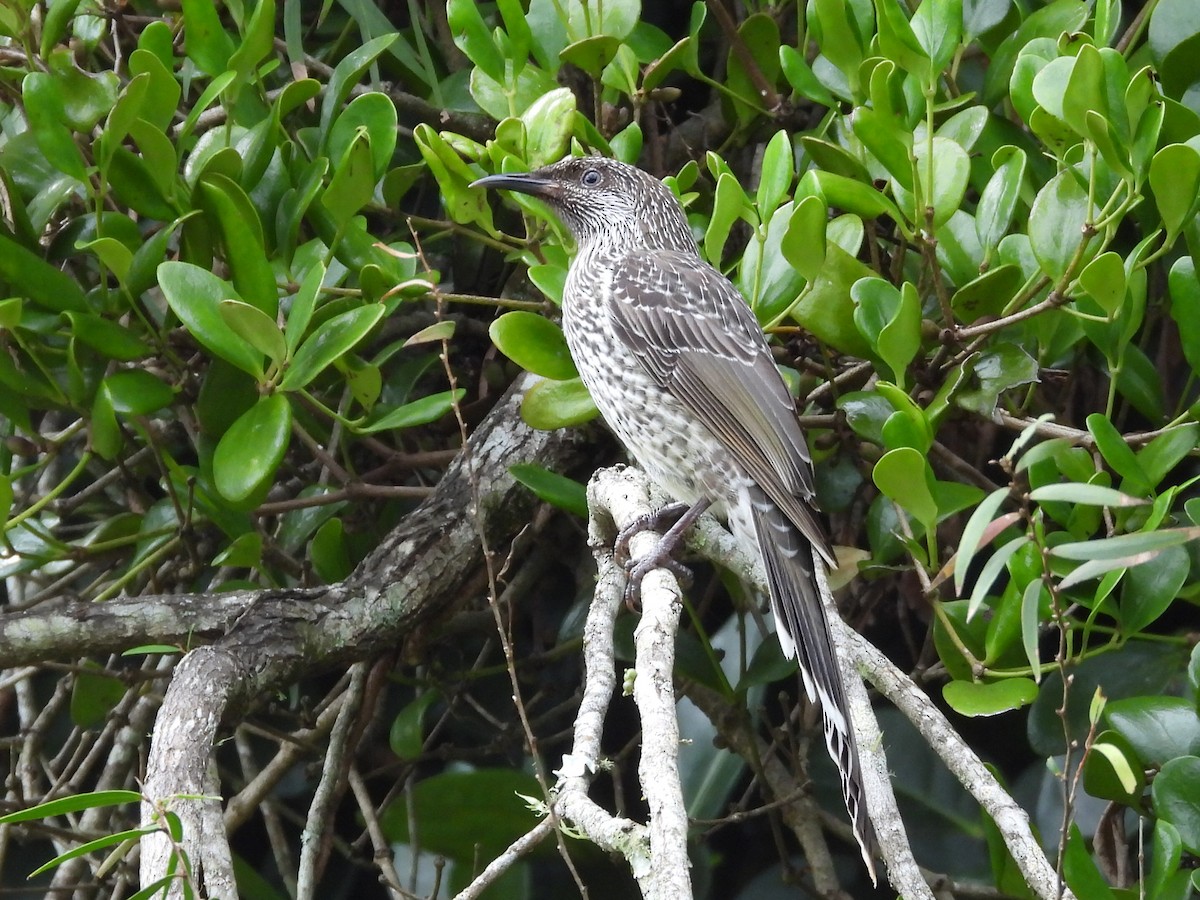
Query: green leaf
{"type": "Point", "coordinates": [897, 41]}
{"type": "Point", "coordinates": [1185, 308]}
{"type": "Point", "coordinates": [996, 370]}
{"type": "Point", "coordinates": [1164, 864]}
{"type": "Point", "coordinates": [1112, 770]}
{"type": "Point", "coordinates": [903, 475]}
{"type": "Point", "coordinates": [45, 109]}
{"type": "Point", "coordinates": [1159, 728]}
{"type": "Point", "coordinates": [299, 314]}
{"type": "Point", "coordinates": [1080, 872]}
{"type": "Point", "coordinates": [729, 204]}
{"type": "Point", "coordinates": [258, 37]}
{"type": "Point", "coordinates": [937, 26]}
{"type": "Point", "coordinates": [890, 320]}
{"type": "Point", "coordinates": [1148, 591]}
{"type": "Point", "coordinates": [207, 44]}
{"type": "Point", "coordinates": [1117, 454]}
{"type": "Point", "coordinates": [94, 695]}
{"type": "Point", "coordinates": [1088, 494]}
{"type": "Point", "coordinates": [74, 803]}
{"type": "Point", "coordinates": [256, 328]}
{"type": "Point", "coordinates": [346, 73]}
{"type": "Point", "coordinates": [1142, 543]}
{"type": "Point", "coordinates": [972, 533]}
{"type": "Point", "coordinates": [462, 813]}
{"type": "Point", "coordinates": [244, 552]}
{"type": "Point", "coordinates": [135, 392]}
{"type": "Point", "coordinates": [1175, 180]}
{"type": "Point", "coordinates": [406, 737]}
{"type": "Point", "coordinates": [1056, 224]}
{"type": "Point", "coordinates": [804, 242]}
{"type": "Point", "coordinates": [548, 404]}
{"type": "Point", "coordinates": [591, 54]}
{"type": "Point", "coordinates": [548, 123]}
{"type": "Point", "coordinates": [1104, 280]}
{"type": "Point", "coordinates": [848, 194]}
{"type": "Point", "coordinates": [241, 232]}
{"type": "Point", "coordinates": [991, 571]}
{"type": "Point", "coordinates": [328, 552]}
{"type": "Point", "coordinates": [161, 93]}
{"type": "Point", "coordinates": [826, 308]}
{"type": "Point", "coordinates": [418, 412]}
{"type": "Point", "coordinates": [194, 295]}
{"type": "Point", "coordinates": [951, 172]}
{"type": "Point", "coordinates": [534, 343]}
{"type": "Point", "coordinates": [557, 490]}
{"type": "Point", "coordinates": [987, 295]}
{"type": "Point", "coordinates": [1085, 91]}
{"type": "Point", "coordinates": [353, 182]}
{"type": "Point", "coordinates": [1160, 457]}
{"type": "Point", "coordinates": [329, 342]}
{"type": "Point", "coordinates": [1032, 600]}
{"type": "Point", "coordinates": [775, 175]}
{"type": "Point", "coordinates": [998, 202]}
{"type": "Point", "coordinates": [837, 36]}
{"type": "Point", "coordinates": [375, 115]}
{"type": "Point", "coordinates": [250, 451]}
{"type": "Point", "coordinates": [972, 698]}
{"type": "Point", "coordinates": [800, 76]}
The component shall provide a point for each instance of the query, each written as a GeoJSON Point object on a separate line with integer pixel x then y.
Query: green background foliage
{"type": "Point", "coordinates": [246, 291]}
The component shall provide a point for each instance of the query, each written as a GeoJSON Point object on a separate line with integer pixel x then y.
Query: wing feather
{"type": "Point", "coordinates": [694, 334]}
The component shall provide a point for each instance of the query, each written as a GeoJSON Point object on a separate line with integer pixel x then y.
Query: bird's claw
{"type": "Point", "coordinates": [661, 557]}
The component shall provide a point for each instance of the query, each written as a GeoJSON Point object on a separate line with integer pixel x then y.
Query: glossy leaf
{"type": "Point", "coordinates": [1148, 591]}
{"type": "Point", "coordinates": [903, 476]}
{"type": "Point", "coordinates": [255, 328]}
{"type": "Point", "coordinates": [250, 451]}
{"type": "Point", "coordinates": [974, 699]}
{"type": "Point", "coordinates": [534, 343]}
{"type": "Point", "coordinates": [555, 489]}
{"type": "Point", "coordinates": [333, 338]}
{"type": "Point", "coordinates": [998, 202]}
{"type": "Point", "coordinates": [418, 412]}
{"type": "Point", "coordinates": [548, 405]}
{"type": "Point", "coordinates": [194, 295]}
{"type": "Point", "coordinates": [1175, 180]}
{"type": "Point", "coordinates": [1056, 224]}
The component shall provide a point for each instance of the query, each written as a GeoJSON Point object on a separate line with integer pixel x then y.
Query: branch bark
{"type": "Point", "coordinates": [271, 637]}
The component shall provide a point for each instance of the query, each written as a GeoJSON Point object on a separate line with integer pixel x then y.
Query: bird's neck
{"type": "Point", "coordinates": [620, 238]}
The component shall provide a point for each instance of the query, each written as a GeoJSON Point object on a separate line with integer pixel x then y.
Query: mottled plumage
{"type": "Point", "coordinates": [681, 371]}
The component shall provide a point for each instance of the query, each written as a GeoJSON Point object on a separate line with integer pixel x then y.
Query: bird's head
{"type": "Point", "coordinates": [601, 200]}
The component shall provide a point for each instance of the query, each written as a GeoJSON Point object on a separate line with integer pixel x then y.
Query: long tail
{"type": "Point", "coordinates": [803, 629]}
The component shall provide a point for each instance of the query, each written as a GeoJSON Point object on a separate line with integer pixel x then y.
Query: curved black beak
{"type": "Point", "coordinates": [521, 182]}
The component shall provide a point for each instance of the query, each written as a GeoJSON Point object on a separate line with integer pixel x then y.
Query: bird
{"type": "Point", "coordinates": [681, 371]}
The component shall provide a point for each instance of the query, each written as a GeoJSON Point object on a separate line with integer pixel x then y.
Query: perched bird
{"type": "Point", "coordinates": [679, 368]}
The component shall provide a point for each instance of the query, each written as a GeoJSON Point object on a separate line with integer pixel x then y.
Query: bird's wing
{"type": "Point", "coordinates": [694, 334]}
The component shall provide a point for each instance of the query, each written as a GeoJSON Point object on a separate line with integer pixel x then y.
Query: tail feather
{"type": "Point", "coordinates": [803, 630]}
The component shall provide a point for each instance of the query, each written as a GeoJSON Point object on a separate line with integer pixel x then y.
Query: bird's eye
{"type": "Point", "coordinates": [591, 178]}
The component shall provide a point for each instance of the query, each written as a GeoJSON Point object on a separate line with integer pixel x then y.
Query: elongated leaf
{"type": "Point", "coordinates": [969, 543]}
{"type": "Point", "coordinates": [991, 571]}
{"type": "Point", "coordinates": [418, 412]}
{"type": "Point", "coordinates": [1125, 544]}
{"type": "Point", "coordinates": [1089, 494]}
{"type": "Point", "coordinates": [558, 490]}
{"type": "Point", "coordinates": [74, 803]}
{"type": "Point", "coordinates": [330, 341]}
{"type": "Point", "coordinates": [194, 295]}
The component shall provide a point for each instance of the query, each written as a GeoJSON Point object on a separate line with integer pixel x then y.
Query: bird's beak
{"type": "Point", "coordinates": [523, 183]}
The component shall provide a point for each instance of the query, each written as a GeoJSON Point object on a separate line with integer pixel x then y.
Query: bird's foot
{"type": "Point", "coordinates": [680, 517]}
